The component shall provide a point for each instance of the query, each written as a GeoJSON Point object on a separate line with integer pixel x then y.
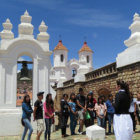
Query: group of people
{"type": "Point", "coordinates": [86, 109]}
{"type": "Point", "coordinates": [121, 112]}
{"type": "Point", "coordinates": [39, 106]}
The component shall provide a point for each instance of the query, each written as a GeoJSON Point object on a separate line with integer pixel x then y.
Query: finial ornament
{"type": "Point", "coordinates": [43, 35]}
{"type": "Point", "coordinates": [135, 32]}
{"type": "Point", "coordinates": [136, 17]}
{"type": "Point", "coordinates": [26, 13]}
{"type": "Point", "coordinates": [26, 28]}
{"type": "Point", "coordinates": [7, 27]}
{"type": "Point", "coordinates": [42, 23]}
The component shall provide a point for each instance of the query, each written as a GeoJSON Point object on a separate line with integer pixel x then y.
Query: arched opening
{"type": "Point", "coordinates": [24, 78]}
{"type": "Point", "coordinates": [104, 91]}
{"type": "Point", "coordinates": [74, 72]}
{"type": "Point", "coordinates": [61, 57]}
{"type": "Point", "coordinates": [87, 59]}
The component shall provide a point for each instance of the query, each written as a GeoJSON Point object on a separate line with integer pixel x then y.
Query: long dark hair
{"type": "Point", "coordinates": [72, 94]}
{"type": "Point", "coordinates": [89, 100]}
{"type": "Point", "coordinates": [123, 85]}
{"type": "Point", "coordinates": [49, 103]}
{"type": "Point", "coordinates": [24, 100]}
{"type": "Point", "coordinates": [28, 103]}
{"type": "Point", "coordinates": [100, 98]}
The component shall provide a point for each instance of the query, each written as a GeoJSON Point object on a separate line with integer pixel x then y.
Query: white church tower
{"type": "Point", "coordinates": [85, 59]}
{"type": "Point", "coordinates": [60, 61]}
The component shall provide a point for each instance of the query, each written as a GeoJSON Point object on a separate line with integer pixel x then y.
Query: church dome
{"type": "Point", "coordinates": [60, 46]}
{"type": "Point", "coordinates": [85, 48]}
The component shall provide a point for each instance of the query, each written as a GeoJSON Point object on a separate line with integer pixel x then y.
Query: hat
{"type": "Point", "coordinates": [40, 93]}
{"type": "Point", "coordinates": [91, 92]}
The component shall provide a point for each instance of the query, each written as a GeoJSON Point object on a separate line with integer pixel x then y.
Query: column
{"type": "Point", "coordinates": [35, 79]}
{"type": "Point", "coordinates": [2, 84]}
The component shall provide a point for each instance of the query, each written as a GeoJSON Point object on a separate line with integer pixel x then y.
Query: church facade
{"type": "Point", "coordinates": [64, 70]}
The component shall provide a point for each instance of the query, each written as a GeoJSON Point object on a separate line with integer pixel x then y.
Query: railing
{"type": "Point", "coordinates": [102, 72]}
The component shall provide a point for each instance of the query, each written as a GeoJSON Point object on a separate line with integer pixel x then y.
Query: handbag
{"type": "Point", "coordinates": [87, 116]}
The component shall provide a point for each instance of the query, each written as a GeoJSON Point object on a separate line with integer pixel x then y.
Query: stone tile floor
{"type": "Point", "coordinates": [57, 136]}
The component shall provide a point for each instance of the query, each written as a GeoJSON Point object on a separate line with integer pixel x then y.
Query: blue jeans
{"type": "Point", "coordinates": [73, 123]}
{"type": "Point", "coordinates": [101, 121]}
{"type": "Point", "coordinates": [48, 123]}
{"type": "Point", "coordinates": [26, 127]}
{"type": "Point", "coordinates": [110, 120]}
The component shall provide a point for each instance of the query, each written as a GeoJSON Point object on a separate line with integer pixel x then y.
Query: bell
{"type": "Point", "coordinates": [24, 71]}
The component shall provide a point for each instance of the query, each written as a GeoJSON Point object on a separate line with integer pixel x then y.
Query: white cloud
{"type": "Point", "coordinates": [78, 14]}
{"type": "Point", "coordinates": [97, 18]}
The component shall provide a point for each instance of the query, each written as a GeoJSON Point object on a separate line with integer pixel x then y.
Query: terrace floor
{"type": "Point", "coordinates": [57, 136]}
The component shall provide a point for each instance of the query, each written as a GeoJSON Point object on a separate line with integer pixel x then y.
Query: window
{"type": "Point", "coordinates": [87, 59]}
{"type": "Point", "coordinates": [62, 57]}
{"type": "Point", "coordinates": [74, 72]}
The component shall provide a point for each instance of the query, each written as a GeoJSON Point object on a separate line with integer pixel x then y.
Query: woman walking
{"type": "Point", "coordinates": [101, 110]}
{"type": "Point", "coordinates": [26, 117]}
{"type": "Point", "coordinates": [49, 115]}
{"type": "Point", "coordinates": [73, 113]}
{"type": "Point", "coordinates": [123, 126]}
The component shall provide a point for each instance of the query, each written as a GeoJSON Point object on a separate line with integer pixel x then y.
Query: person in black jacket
{"type": "Point", "coordinates": [123, 126]}
{"type": "Point", "coordinates": [64, 114]}
{"type": "Point", "coordinates": [90, 106]}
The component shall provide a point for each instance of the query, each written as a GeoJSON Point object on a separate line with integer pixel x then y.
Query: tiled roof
{"type": "Point", "coordinates": [60, 46]}
{"type": "Point", "coordinates": [85, 47]}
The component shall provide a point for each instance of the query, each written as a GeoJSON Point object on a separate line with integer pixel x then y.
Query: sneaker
{"type": "Point", "coordinates": [80, 133]}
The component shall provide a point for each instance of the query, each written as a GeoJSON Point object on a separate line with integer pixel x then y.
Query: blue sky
{"type": "Point", "coordinates": [104, 23]}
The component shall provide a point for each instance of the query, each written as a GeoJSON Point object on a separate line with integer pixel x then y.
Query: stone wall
{"type": "Point", "coordinates": [102, 81]}
{"type": "Point", "coordinates": [131, 74]}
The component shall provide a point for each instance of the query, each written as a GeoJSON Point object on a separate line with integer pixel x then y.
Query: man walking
{"type": "Point", "coordinates": [38, 114]}
{"type": "Point", "coordinates": [81, 107]}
